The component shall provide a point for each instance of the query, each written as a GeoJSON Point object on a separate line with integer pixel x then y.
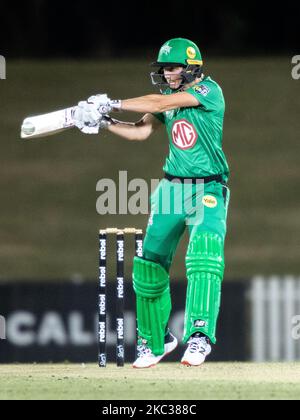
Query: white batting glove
{"type": "Point", "coordinates": [88, 119]}
{"type": "Point", "coordinates": [101, 103]}
{"type": "Point", "coordinates": [104, 104]}
{"type": "Point", "coordinates": [86, 114]}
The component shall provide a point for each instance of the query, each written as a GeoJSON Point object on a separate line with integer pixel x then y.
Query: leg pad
{"type": "Point", "coordinates": [152, 287]}
{"type": "Point", "coordinates": [205, 271]}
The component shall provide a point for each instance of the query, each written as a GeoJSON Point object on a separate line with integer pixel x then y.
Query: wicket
{"type": "Point", "coordinates": [120, 260]}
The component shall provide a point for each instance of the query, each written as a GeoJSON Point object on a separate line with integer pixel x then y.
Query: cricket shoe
{"type": "Point", "coordinates": [198, 349]}
{"type": "Point", "coordinates": [147, 359]}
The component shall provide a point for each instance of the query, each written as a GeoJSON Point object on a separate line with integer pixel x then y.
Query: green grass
{"type": "Point", "coordinates": [238, 381]}
{"type": "Point", "coordinates": [48, 220]}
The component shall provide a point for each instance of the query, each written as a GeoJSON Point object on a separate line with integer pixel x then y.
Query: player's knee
{"type": "Point", "coordinates": [157, 258]}
{"type": "Point", "coordinates": [150, 280]}
{"type": "Point", "coordinates": [205, 254]}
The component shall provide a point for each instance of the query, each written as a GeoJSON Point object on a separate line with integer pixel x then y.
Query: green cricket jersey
{"type": "Point", "coordinates": [195, 134]}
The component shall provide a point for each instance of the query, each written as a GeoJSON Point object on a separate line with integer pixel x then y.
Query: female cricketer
{"type": "Point", "coordinates": [191, 107]}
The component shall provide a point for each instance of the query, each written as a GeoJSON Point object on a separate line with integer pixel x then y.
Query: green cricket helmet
{"type": "Point", "coordinates": [178, 52]}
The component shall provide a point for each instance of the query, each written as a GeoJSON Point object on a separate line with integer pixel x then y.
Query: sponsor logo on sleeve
{"type": "Point", "coordinates": [202, 90]}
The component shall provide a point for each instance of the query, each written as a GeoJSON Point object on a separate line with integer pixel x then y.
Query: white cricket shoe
{"type": "Point", "coordinates": [147, 359]}
{"type": "Point", "coordinates": [198, 349]}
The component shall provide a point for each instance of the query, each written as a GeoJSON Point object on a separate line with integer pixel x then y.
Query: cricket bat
{"type": "Point", "coordinates": [48, 124]}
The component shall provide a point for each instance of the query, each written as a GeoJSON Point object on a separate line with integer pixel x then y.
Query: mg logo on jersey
{"type": "Point", "coordinates": [184, 134]}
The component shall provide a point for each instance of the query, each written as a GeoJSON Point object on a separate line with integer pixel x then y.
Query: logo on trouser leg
{"type": "Point", "coordinates": [210, 201]}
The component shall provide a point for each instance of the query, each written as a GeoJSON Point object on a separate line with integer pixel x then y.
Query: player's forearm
{"type": "Point", "coordinates": [146, 104]}
{"type": "Point", "coordinates": [158, 103]}
{"type": "Point", "coordinates": [129, 131]}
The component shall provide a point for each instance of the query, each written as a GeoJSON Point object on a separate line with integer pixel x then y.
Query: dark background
{"type": "Point", "coordinates": [41, 28]}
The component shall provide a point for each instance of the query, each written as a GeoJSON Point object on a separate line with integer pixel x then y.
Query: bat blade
{"type": "Point", "coordinates": [48, 124]}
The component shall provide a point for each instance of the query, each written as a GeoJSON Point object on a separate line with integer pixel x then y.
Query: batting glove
{"type": "Point", "coordinates": [89, 120]}
{"type": "Point", "coordinates": [104, 104]}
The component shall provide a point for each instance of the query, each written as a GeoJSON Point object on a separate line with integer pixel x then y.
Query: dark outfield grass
{"type": "Point", "coordinates": [216, 381]}
{"type": "Point", "coordinates": [48, 221]}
